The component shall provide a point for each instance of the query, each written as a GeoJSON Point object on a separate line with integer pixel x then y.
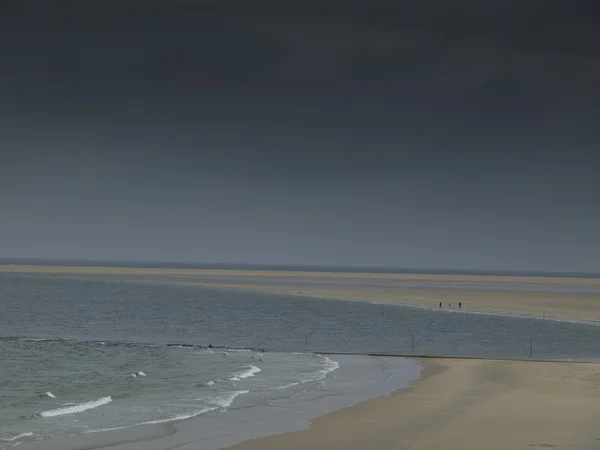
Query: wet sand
{"type": "Point", "coordinates": [567, 298]}
{"type": "Point", "coordinates": [466, 405]}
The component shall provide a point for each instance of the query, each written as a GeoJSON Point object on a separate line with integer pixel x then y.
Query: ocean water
{"type": "Point", "coordinates": [53, 389]}
{"type": "Point", "coordinates": [79, 355]}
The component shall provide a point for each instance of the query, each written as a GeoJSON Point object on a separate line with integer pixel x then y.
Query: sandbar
{"type": "Point", "coordinates": [551, 297]}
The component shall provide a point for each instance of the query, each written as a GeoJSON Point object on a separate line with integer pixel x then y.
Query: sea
{"type": "Point", "coordinates": [82, 355]}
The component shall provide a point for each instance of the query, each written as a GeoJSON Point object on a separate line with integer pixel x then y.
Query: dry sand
{"type": "Point", "coordinates": [570, 298]}
{"type": "Point", "coordinates": [466, 405]}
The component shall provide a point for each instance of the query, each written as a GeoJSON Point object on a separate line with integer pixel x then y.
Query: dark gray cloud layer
{"type": "Point", "coordinates": [417, 134]}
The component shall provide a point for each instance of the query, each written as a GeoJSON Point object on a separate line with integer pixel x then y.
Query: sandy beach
{"type": "Point", "coordinates": [567, 298]}
{"type": "Point", "coordinates": [466, 405]}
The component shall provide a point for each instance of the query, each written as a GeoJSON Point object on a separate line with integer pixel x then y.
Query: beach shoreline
{"type": "Point", "coordinates": [358, 379]}
{"type": "Point", "coordinates": [465, 404]}
{"type": "Point", "coordinates": [450, 403]}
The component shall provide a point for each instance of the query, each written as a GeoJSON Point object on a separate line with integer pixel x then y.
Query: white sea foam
{"type": "Point", "coordinates": [328, 367]}
{"type": "Point", "coordinates": [176, 418]}
{"type": "Point", "coordinates": [227, 399]}
{"type": "Point", "coordinates": [289, 385]}
{"type": "Point", "coordinates": [252, 370]}
{"type": "Point", "coordinates": [17, 437]}
{"type": "Point", "coordinates": [141, 374]}
{"type": "Point", "coordinates": [247, 373]}
{"type": "Point", "coordinates": [48, 394]}
{"type": "Point", "coordinates": [210, 383]}
{"type": "Point", "coordinates": [76, 408]}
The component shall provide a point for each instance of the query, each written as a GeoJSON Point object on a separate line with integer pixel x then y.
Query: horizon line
{"type": "Point", "coordinates": [160, 264]}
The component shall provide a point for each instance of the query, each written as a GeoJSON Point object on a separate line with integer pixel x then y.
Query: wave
{"type": "Point", "coordinates": [76, 408]}
{"type": "Point", "coordinates": [249, 372]}
{"type": "Point", "coordinates": [176, 418]}
{"type": "Point", "coordinates": [48, 394]}
{"type": "Point", "coordinates": [289, 385]}
{"type": "Point", "coordinates": [328, 366]}
{"type": "Point", "coordinates": [16, 437]}
{"type": "Point", "coordinates": [227, 399]}
{"type": "Point", "coordinates": [207, 383]}
{"type": "Point", "coordinates": [136, 374]}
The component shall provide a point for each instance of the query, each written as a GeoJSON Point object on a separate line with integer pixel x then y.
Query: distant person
{"type": "Point", "coordinates": [459, 305]}
{"type": "Point", "coordinates": [450, 304]}
{"type": "Point", "coordinates": [440, 304]}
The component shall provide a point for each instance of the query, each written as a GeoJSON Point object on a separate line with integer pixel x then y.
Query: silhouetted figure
{"type": "Point", "coordinates": [459, 305]}
{"type": "Point", "coordinates": [440, 304]}
{"type": "Point", "coordinates": [450, 304]}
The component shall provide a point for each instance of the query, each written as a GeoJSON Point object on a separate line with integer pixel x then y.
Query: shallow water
{"type": "Point", "coordinates": [52, 389]}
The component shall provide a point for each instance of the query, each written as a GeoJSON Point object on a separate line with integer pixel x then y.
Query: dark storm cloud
{"type": "Point", "coordinates": [382, 132]}
{"type": "Point", "coordinates": [238, 39]}
{"type": "Point", "coordinates": [450, 54]}
{"type": "Point", "coordinates": [388, 61]}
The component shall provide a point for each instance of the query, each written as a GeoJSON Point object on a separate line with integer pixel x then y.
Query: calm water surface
{"type": "Point", "coordinates": [45, 306]}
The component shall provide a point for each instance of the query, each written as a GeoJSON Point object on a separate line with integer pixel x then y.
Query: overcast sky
{"type": "Point", "coordinates": [453, 134]}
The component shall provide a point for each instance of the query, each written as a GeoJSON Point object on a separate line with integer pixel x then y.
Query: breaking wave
{"type": "Point", "coordinates": [80, 407]}
{"type": "Point", "coordinates": [249, 372]}
{"type": "Point", "coordinates": [17, 437]}
{"type": "Point", "coordinates": [227, 399]}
